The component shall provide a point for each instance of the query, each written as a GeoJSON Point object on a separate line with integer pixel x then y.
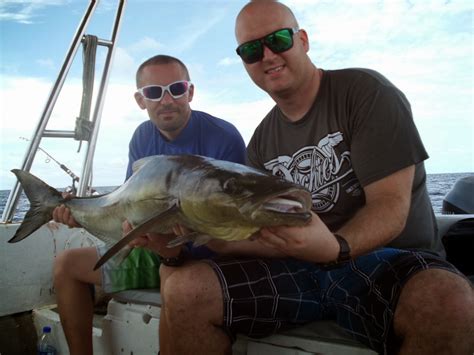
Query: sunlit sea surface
{"type": "Point", "coordinates": [438, 186]}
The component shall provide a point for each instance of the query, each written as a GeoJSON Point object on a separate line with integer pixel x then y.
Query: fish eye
{"type": "Point", "coordinates": [230, 186]}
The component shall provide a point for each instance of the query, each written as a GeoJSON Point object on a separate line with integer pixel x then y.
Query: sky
{"type": "Point", "coordinates": [424, 47]}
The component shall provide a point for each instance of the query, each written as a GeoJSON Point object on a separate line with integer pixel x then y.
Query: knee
{"type": "Point", "coordinates": [458, 305]}
{"type": "Point", "coordinates": [439, 296]}
{"type": "Point", "coordinates": [189, 287]}
{"type": "Point", "coordinates": [453, 307]}
{"type": "Point", "coordinates": [61, 267]}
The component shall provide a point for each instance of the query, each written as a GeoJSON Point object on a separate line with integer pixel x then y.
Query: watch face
{"type": "Point", "coordinates": [174, 261]}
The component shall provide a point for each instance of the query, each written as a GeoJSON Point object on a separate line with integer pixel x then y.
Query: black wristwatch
{"type": "Point", "coordinates": [344, 249]}
{"type": "Point", "coordinates": [344, 253]}
{"type": "Point", "coordinates": [177, 260]}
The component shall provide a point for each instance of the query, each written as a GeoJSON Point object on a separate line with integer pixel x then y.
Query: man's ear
{"type": "Point", "coordinates": [140, 100]}
{"type": "Point", "coordinates": [304, 39]}
{"type": "Point", "coordinates": [191, 93]}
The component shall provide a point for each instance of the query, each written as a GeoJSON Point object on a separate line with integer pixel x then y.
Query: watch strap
{"type": "Point", "coordinates": [344, 252]}
{"type": "Point", "coordinates": [177, 260]}
{"type": "Point", "coordinates": [344, 249]}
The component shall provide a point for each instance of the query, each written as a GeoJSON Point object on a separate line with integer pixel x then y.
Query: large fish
{"type": "Point", "coordinates": [213, 198]}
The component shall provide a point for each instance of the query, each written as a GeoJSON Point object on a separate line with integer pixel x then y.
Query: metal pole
{"type": "Point", "coordinates": [88, 159]}
{"type": "Point", "coordinates": [35, 141]}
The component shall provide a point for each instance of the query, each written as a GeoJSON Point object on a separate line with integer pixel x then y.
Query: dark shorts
{"type": "Point", "coordinates": [262, 297]}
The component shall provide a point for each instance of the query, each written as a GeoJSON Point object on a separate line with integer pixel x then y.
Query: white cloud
{"type": "Point", "coordinates": [24, 11]}
{"type": "Point", "coordinates": [424, 48]}
{"type": "Point", "coordinates": [229, 61]}
{"type": "Point", "coordinates": [15, 91]}
{"type": "Point", "coordinates": [22, 102]}
{"type": "Point", "coordinates": [146, 44]}
{"type": "Point", "coordinates": [245, 115]}
{"type": "Point", "coordinates": [119, 118]}
{"type": "Point", "coordinates": [124, 66]}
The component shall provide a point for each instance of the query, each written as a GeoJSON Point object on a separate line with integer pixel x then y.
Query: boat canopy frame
{"type": "Point", "coordinates": [86, 129]}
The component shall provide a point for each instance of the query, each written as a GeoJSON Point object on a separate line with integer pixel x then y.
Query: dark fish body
{"type": "Point", "coordinates": [213, 198]}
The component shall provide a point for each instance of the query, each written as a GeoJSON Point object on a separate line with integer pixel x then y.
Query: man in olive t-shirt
{"type": "Point", "coordinates": [358, 130]}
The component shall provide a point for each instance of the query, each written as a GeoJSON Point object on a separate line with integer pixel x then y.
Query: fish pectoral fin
{"type": "Point", "coordinates": [139, 230]}
{"type": "Point", "coordinates": [197, 238]}
{"type": "Point", "coordinates": [122, 254]}
{"type": "Point", "coordinates": [201, 239]}
{"type": "Point", "coordinates": [179, 240]}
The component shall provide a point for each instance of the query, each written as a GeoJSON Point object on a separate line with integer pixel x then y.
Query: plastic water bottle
{"type": "Point", "coordinates": [45, 343]}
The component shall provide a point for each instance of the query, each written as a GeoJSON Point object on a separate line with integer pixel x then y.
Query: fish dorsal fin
{"type": "Point", "coordinates": [139, 230]}
{"type": "Point", "coordinates": [141, 162]}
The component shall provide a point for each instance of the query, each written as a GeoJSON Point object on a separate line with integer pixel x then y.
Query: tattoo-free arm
{"type": "Point", "coordinates": [384, 215]}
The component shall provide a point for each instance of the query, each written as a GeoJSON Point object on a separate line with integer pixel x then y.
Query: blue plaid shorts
{"type": "Point", "coordinates": [263, 296]}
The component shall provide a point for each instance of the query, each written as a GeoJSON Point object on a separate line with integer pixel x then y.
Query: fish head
{"type": "Point", "coordinates": [273, 201]}
{"type": "Point", "coordinates": [235, 195]}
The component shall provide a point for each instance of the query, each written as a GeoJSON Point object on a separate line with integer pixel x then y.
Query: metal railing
{"type": "Point", "coordinates": [41, 130]}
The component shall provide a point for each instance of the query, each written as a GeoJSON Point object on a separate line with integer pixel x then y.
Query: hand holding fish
{"type": "Point", "coordinates": [62, 214]}
{"type": "Point", "coordinates": [312, 242]}
{"type": "Point", "coordinates": [155, 242]}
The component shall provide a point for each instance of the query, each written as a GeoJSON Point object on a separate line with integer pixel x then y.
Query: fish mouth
{"type": "Point", "coordinates": [295, 202]}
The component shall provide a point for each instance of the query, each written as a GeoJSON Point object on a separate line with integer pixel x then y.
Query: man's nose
{"type": "Point", "coordinates": [167, 98]}
{"type": "Point", "coordinates": [267, 53]}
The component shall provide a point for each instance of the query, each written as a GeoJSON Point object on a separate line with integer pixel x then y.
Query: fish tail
{"type": "Point", "coordinates": [43, 200]}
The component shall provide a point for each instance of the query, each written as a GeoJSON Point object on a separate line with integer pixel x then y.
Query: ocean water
{"type": "Point", "coordinates": [438, 186]}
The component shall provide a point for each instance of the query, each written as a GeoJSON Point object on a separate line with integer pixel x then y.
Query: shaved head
{"type": "Point", "coordinates": [288, 76]}
{"type": "Point", "coordinates": [259, 12]}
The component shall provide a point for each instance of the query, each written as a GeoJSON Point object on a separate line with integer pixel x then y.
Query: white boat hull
{"type": "Point", "coordinates": [27, 281]}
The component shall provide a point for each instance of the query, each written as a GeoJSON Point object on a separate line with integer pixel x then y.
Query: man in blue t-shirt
{"type": "Point", "coordinates": [173, 127]}
{"type": "Point", "coordinates": [165, 91]}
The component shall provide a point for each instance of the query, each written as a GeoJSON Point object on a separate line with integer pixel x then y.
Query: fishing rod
{"type": "Point", "coordinates": [68, 171]}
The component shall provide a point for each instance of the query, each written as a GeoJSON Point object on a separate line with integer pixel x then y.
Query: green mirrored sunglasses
{"type": "Point", "coordinates": [278, 42]}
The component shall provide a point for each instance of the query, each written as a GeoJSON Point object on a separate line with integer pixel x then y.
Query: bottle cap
{"type": "Point", "coordinates": [47, 329]}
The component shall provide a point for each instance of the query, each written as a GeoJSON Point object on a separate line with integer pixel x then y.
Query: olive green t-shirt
{"type": "Point", "coordinates": [360, 129]}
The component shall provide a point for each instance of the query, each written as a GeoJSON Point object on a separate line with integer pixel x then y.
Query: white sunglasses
{"type": "Point", "coordinates": [156, 92]}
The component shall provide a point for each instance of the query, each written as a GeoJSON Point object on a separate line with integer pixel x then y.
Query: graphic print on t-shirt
{"type": "Point", "coordinates": [320, 169]}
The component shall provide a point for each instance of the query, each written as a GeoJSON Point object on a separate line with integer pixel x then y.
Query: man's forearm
{"type": "Point", "coordinates": [384, 215]}
{"type": "Point", "coordinates": [375, 225]}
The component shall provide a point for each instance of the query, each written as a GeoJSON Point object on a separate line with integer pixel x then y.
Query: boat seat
{"type": "Point", "coordinates": [316, 337]}
{"type": "Point", "coordinates": [149, 297]}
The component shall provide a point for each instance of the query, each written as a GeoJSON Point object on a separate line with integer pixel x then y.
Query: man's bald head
{"type": "Point", "coordinates": [258, 13]}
